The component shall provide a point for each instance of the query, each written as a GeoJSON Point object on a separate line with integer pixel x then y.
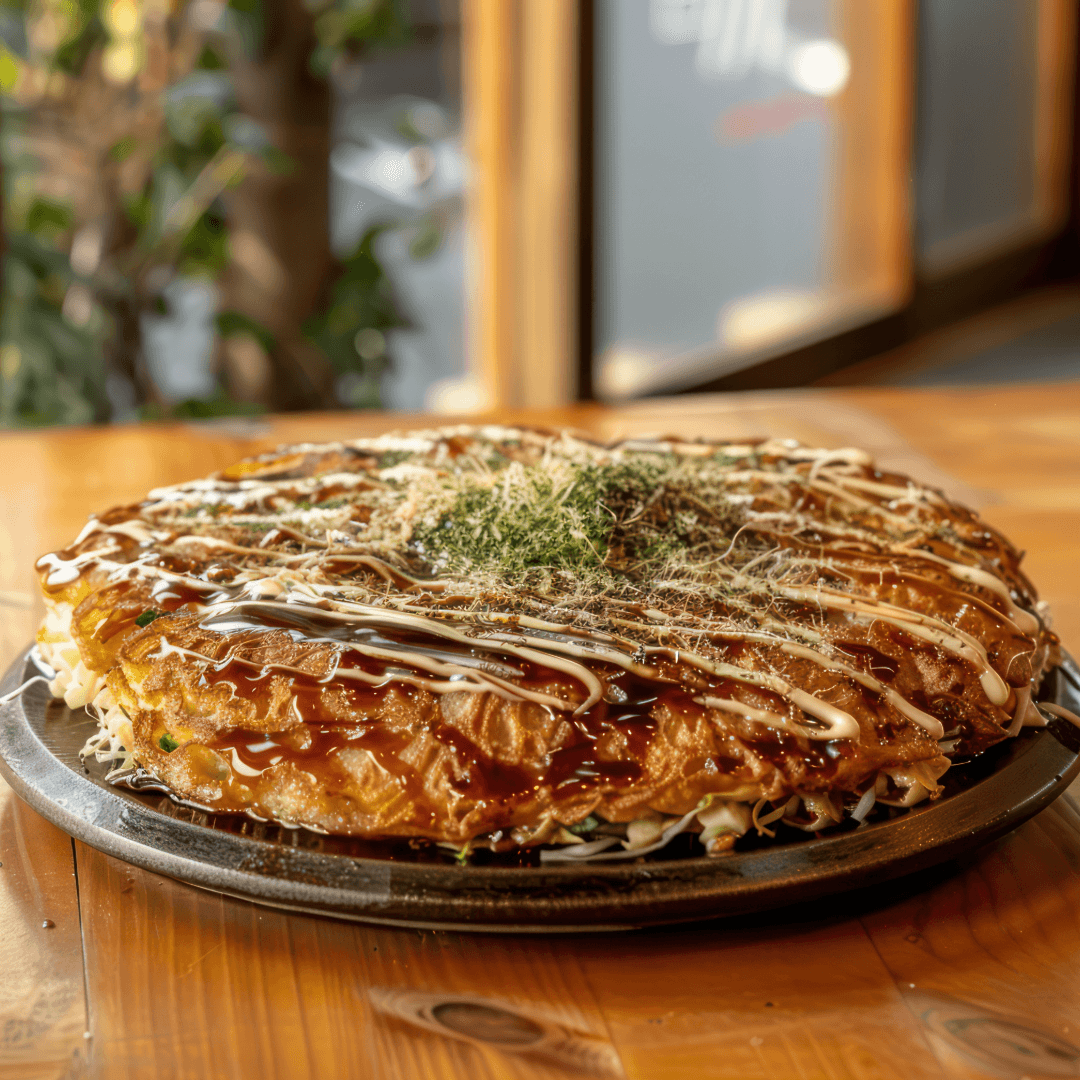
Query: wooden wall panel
{"type": "Point", "coordinates": [519, 89]}
{"type": "Point", "coordinates": [547, 268]}
{"type": "Point", "coordinates": [1054, 122]}
{"type": "Point", "coordinates": [871, 215]}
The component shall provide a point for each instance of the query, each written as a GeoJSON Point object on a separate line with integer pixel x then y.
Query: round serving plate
{"type": "Point", "coordinates": [40, 741]}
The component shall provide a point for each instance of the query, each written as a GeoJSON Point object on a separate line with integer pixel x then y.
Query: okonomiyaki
{"type": "Point", "coordinates": [504, 638]}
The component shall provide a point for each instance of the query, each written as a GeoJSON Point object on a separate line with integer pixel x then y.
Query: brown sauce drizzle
{"type": "Point", "coordinates": [628, 718]}
{"type": "Point", "coordinates": [575, 765]}
{"type": "Point", "coordinates": [576, 769]}
{"type": "Point", "coordinates": [878, 664]}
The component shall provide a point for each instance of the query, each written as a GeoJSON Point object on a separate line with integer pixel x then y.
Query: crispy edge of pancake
{"type": "Point", "coordinates": [162, 698]}
{"type": "Point", "coordinates": [86, 685]}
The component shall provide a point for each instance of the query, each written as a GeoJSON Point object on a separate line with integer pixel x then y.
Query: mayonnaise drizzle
{"type": "Point", "coordinates": [915, 623]}
{"type": "Point", "coordinates": [554, 645]}
{"type": "Point", "coordinates": [1025, 621]}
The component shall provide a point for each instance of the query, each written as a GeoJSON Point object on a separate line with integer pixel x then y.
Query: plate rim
{"type": "Point", "coordinates": [554, 898]}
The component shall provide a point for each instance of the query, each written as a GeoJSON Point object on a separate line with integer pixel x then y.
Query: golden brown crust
{"type": "Point", "coordinates": [332, 643]}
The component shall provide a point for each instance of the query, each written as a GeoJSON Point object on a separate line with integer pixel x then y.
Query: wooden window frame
{"type": "Point", "coordinates": [520, 91]}
{"type": "Point", "coordinates": [528, 97]}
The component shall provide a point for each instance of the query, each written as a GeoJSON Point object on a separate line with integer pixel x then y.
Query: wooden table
{"type": "Point", "coordinates": [973, 971]}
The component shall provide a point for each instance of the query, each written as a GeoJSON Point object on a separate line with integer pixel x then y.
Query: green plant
{"type": "Point", "coordinates": [134, 149]}
{"type": "Point", "coordinates": [52, 367]}
{"type": "Point", "coordinates": [350, 332]}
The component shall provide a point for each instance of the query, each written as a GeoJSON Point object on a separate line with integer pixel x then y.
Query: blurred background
{"type": "Point", "coordinates": [219, 208]}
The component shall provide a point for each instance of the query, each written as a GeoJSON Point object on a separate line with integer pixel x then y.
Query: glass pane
{"type": "Point", "coordinates": [728, 147]}
{"type": "Point", "coordinates": [397, 166]}
{"type": "Point", "coordinates": [986, 89]}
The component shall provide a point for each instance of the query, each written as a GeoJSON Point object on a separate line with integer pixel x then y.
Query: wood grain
{"type": "Point", "coordinates": [989, 960]}
{"type": "Point", "coordinates": [942, 976]}
{"type": "Point", "coordinates": [188, 983]}
{"type": "Point", "coordinates": [42, 1004]}
{"type": "Point", "coordinates": [805, 998]}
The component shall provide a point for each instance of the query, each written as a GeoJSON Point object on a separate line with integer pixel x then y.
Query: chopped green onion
{"type": "Point", "coordinates": [147, 617]}
{"type": "Point", "coordinates": [168, 743]}
{"type": "Point", "coordinates": [585, 826]}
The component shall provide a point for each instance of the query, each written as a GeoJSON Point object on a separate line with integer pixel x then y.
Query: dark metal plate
{"type": "Point", "coordinates": [40, 740]}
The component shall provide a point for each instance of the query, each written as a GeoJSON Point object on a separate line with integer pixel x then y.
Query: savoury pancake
{"type": "Point", "coordinates": [508, 637]}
